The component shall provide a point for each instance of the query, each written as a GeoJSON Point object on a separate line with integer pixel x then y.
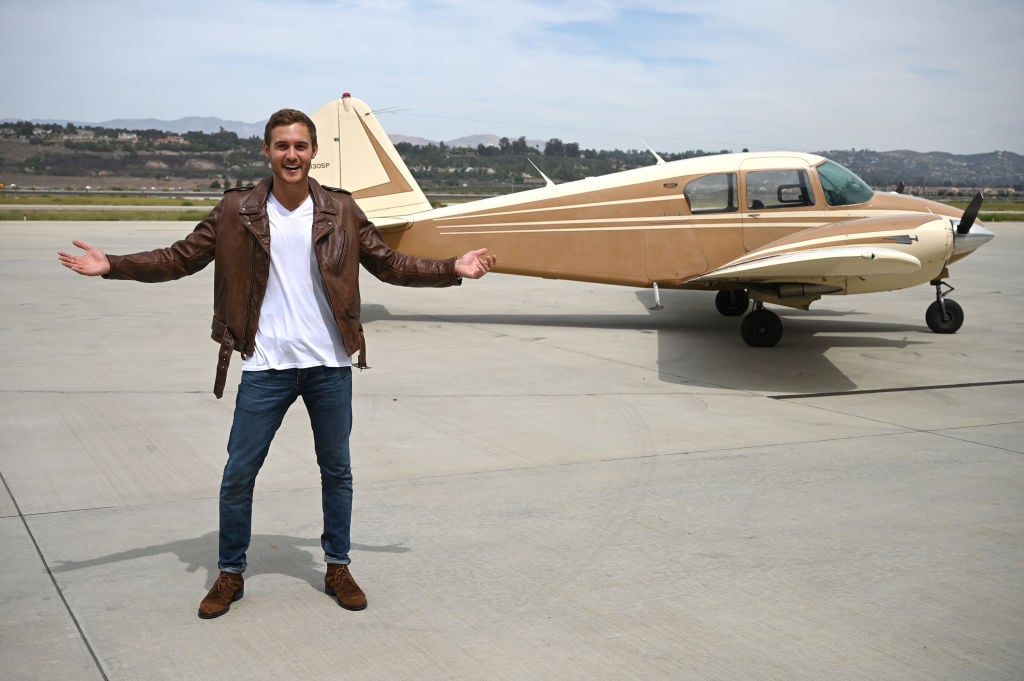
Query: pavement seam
{"type": "Point", "coordinates": [53, 580]}
{"type": "Point", "coordinates": [912, 388]}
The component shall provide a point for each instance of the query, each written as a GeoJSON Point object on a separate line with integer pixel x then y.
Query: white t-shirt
{"type": "Point", "coordinates": [297, 329]}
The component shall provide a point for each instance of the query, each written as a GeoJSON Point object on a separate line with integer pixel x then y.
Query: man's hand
{"type": "Point", "coordinates": [475, 264]}
{"type": "Point", "coordinates": [91, 263]}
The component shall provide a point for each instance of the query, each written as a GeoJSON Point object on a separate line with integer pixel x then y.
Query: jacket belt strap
{"type": "Point", "coordinates": [361, 358]}
{"type": "Point", "coordinates": [227, 346]}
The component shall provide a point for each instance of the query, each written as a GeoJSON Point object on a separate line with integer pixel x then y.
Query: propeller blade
{"type": "Point", "coordinates": [970, 215]}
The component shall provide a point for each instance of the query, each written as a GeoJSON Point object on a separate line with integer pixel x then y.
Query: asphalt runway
{"type": "Point", "coordinates": [552, 482]}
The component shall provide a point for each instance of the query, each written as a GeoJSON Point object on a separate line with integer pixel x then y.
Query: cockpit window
{"type": "Point", "coordinates": [842, 187]}
{"type": "Point", "coordinates": [712, 194]}
{"type": "Point", "coordinates": [767, 189]}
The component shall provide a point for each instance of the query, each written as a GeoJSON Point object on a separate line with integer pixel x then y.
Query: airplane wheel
{"type": "Point", "coordinates": [948, 323]}
{"type": "Point", "coordinates": [732, 303]}
{"type": "Point", "coordinates": [761, 329]}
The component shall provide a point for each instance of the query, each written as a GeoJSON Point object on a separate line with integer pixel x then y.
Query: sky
{"type": "Point", "coordinates": [924, 75]}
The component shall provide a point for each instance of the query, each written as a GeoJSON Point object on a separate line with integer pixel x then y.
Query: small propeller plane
{"type": "Point", "coordinates": [784, 228]}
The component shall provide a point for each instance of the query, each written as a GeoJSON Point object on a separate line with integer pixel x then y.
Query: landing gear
{"type": "Point", "coordinates": [944, 316]}
{"type": "Point", "coordinates": [761, 328]}
{"type": "Point", "coordinates": [732, 303]}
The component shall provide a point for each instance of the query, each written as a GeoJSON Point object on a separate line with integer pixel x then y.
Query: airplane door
{"type": "Point", "coordinates": [673, 252]}
{"type": "Point", "coordinates": [771, 190]}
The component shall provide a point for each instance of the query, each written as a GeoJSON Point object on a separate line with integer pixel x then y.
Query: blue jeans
{"type": "Point", "coordinates": [263, 398]}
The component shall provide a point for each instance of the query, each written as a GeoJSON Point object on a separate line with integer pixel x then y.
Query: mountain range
{"type": "Point", "coordinates": [211, 124]}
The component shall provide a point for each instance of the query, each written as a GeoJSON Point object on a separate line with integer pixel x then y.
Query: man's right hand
{"type": "Point", "coordinates": [91, 263]}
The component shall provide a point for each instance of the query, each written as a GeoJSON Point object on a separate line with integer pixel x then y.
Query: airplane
{"type": "Point", "coordinates": [782, 228]}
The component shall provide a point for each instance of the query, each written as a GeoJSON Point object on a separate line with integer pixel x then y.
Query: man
{"type": "Point", "coordinates": [286, 257]}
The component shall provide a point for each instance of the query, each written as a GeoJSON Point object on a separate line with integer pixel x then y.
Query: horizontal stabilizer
{"type": "Point", "coordinates": [392, 225]}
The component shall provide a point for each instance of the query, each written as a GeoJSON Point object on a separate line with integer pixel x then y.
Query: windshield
{"type": "Point", "coordinates": [842, 187]}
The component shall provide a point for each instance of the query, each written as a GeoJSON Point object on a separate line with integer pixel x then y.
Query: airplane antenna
{"type": "Point", "coordinates": [659, 159]}
{"type": "Point", "coordinates": [390, 110]}
{"type": "Point", "coordinates": [547, 179]}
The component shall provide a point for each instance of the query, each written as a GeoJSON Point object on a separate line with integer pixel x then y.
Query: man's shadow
{"type": "Point", "coordinates": [268, 554]}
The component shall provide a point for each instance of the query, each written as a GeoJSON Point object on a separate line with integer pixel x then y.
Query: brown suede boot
{"type": "Point", "coordinates": [338, 582]}
{"type": "Point", "coordinates": [228, 588]}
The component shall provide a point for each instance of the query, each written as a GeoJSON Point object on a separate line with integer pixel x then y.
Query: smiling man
{"type": "Point", "coordinates": [286, 257]}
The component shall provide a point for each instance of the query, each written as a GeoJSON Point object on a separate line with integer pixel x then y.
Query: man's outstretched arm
{"type": "Point", "coordinates": [92, 263]}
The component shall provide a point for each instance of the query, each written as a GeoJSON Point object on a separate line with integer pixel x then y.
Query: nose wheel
{"type": "Point", "coordinates": [944, 316]}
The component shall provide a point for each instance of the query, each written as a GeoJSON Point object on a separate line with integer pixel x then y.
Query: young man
{"type": "Point", "coordinates": [286, 256]}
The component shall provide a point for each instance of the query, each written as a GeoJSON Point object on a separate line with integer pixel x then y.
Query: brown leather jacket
{"type": "Point", "coordinates": [236, 236]}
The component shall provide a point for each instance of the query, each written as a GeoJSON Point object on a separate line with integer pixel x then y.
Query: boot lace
{"type": "Point", "coordinates": [223, 584]}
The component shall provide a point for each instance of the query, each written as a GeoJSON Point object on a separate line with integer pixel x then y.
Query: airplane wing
{"type": "Point", "coordinates": [852, 256]}
{"type": "Point", "coordinates": [815, 263]}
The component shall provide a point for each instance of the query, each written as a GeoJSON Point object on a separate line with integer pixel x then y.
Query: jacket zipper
{"type": "Point", "coordinates": [252, 289]}
{"type": "Point", "coordinates": [323, 279]}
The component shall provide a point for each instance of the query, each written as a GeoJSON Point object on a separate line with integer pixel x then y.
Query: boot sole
{"type": "Point", "coordinates": [331, 592]}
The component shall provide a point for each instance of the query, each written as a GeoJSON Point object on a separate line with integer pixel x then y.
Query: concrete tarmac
{"type": "Point", "coordinates": [552, 482]}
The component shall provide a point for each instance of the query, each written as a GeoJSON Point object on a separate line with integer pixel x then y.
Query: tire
{"type": "Point", "coordinates": [761, 329]}
{"type": "Point", "coordinates": [732, 303]}
{"type": "Point", "coordinates": [948, 323]}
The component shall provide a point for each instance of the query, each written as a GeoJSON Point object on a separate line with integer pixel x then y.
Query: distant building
{"type": "Point", "coordinates": [79, 136]}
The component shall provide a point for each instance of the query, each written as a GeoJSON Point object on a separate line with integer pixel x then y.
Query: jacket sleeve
{"type": "Point", "coordinates": [394, 267]}
{"type": "Point", "coordinates": [182, 258]}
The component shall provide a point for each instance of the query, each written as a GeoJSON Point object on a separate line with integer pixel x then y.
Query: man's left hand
{"type": "Point", "coordinates": [475, 264]}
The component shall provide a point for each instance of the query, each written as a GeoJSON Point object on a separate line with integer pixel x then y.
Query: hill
{"type": "Point", "coordinates": [55, 155]}
{"type": "Point", "coordinates": [997, 169]}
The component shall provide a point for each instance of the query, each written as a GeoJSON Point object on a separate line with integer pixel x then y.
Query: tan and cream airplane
{"type": "Point", "coordinates": [779, 227]}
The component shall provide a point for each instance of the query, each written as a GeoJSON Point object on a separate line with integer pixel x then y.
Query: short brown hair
{"type": "Point", "coordinates": [288, 117]}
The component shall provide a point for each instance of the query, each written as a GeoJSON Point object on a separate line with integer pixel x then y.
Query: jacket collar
{"type": "Point", "coordinates": [322, 202]}
{"type": "Point", "coordinates": [256, 202]}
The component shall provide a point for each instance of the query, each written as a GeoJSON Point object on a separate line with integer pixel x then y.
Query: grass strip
{"type": "Point", "coordinates": [1001, 217]}
{"type": "Point", "coordinates": [141, 215]}
{"type": "Point", "coordinates": [101, 200]}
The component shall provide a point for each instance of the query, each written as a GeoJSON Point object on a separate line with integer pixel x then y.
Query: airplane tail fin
{"type": "Point", "coordinates": [355, 154]}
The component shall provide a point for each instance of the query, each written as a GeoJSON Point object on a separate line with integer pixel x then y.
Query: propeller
{"type": "Point", "coordinates": [970, 214]}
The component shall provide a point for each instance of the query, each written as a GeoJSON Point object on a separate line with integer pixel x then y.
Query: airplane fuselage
{"type": "Point", "coordinates": [771, 227]}
{"type": "Point", "coordinates": [641, 227]}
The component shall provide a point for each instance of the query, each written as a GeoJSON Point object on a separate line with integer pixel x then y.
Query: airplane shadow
{"type": "Point", "coordinates": [698, 346]}
{"type": "Point", "coordinates": [268, 554]}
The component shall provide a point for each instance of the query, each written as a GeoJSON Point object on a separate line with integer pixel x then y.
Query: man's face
{"type": "Point", "coordinates": [290, 152]}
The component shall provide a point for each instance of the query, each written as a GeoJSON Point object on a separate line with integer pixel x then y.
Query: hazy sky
{"type": "Point", "coordinates": [927, 75]}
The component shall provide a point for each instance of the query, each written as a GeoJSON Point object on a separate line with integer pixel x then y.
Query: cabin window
{"type": "Point", "coordinates": [773, 189]}
{"type": "Point", "coordinates": [841, 186]}
{"type": "Point", "coordinates": [712, 194]}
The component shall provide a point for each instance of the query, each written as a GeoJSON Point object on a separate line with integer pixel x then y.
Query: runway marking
{"type": "Point", "coordinates": [948, 386]}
